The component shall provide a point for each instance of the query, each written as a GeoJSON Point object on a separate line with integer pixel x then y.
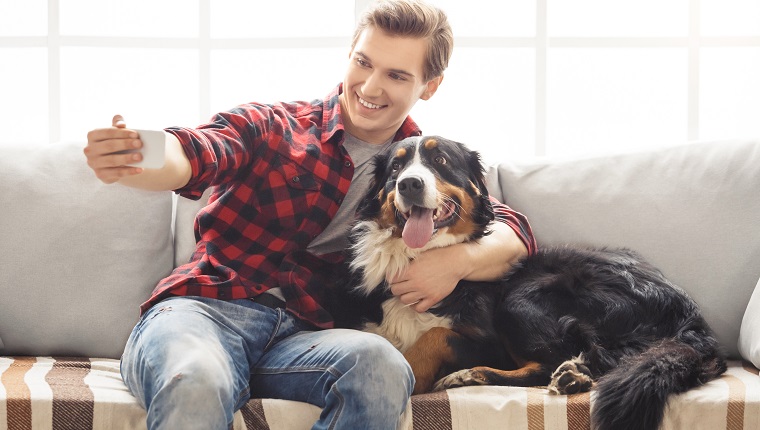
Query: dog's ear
{"type": "Point", "coordinates": [370, 205]}
{"type": "Point", "coordinates": [477, 171]}
{"type": "Point", "coordinates": [484, 213]}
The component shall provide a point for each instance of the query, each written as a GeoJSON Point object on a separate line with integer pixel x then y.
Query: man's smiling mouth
{"type": "Point", "coordinates": [368, 105]}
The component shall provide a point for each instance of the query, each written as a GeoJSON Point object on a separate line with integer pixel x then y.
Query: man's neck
{"type": "Point", "coordinates": [377, 138]}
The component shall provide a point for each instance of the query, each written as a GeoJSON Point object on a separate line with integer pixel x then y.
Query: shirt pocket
{"type": "Point", "coordinates": [294, 192]}
{"type": "Point", "coordinates": [298, 178]}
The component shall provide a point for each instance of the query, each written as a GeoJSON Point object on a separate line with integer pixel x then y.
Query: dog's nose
{"type": "Point", "coordinates": [411, 187]}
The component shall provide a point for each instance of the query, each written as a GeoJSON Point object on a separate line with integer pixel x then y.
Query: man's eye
{"type": "Point", "coordinates": [440, 159]}
{"type": "Point", "coordinates": [362, 62]}
{"type": "Point", "coordinates": [397, 77]}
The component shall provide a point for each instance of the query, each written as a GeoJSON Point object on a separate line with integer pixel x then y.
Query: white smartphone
{"type": "Point", "coordinates": [153, 149]}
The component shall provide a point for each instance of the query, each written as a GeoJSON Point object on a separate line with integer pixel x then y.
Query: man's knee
{"type": "Point", "coordinates": [380, 364]}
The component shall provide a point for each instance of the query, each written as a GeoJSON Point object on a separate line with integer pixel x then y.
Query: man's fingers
{"type": "Point", "coordinates": [114, 160]}
{"type": "Point", "coordinates": [111, 175]}
{"type": "Point", "coordinates": [110, 146]}
{"type": "Point", "coordinates": [118, 121]}
{"type": "Point", "coordinates": [422, 306]}
{"type": "Point", "coordinates": [102, 134]}
{"type": "Point", "coordinates": [410, 299]}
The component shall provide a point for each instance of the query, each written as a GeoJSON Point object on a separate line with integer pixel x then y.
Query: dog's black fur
{"type": "Point", "coordinates": [567, 318]}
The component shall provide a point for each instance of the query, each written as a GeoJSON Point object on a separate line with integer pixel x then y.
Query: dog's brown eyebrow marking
{"type": "Point", "coordinates": [430, 143]}
{"type": "Point", "coordinates": [401, 153]}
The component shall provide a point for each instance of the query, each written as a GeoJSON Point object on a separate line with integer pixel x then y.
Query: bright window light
{"type": "Point", "coordinates": [489, 18]}
{"type": "Point", "coordinates": [134, 18]}
{"type": "Point", "coordinates": [730, 17]}
{"type": "Point", "coordinates": [618, 18]}
{"type": "Point", "coordinates": [24, 100]}
{"type": "Point", "coordinates": [493, 114]}
{"type": "Point", "coordinates": [606, 99]}
{"type": "Point", "coordinates": [273, 19]}
{"type": "Point", "coordinates": [730, 93]}
{"type": "Point", "coordinates": [271, 75]}
{"type": "Point", "coordinates": [528, 77]}
{"type": "Point", "coordinates": [23, 18]}
{"type": "Point", "coordinates": [151, 88]}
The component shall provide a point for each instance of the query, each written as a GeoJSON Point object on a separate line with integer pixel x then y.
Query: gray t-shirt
{"type": "Point", "coordinates": [335, 236]}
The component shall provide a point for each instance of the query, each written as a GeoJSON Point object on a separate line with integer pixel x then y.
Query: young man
{"type": "Point", "coordinates": [242, 318]}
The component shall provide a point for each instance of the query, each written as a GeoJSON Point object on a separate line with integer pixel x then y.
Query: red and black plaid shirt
{"type": "Point", "coordinates": [280, 172]}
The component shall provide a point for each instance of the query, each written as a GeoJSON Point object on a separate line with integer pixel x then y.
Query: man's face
{"type": "Point", "coordinates": [383, 82]}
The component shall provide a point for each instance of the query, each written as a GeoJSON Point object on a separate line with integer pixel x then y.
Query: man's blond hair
{"type": "Point", "coordinates": [417, 19]}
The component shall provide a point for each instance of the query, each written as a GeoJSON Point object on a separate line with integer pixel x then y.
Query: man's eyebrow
{"type": "Point", "coordinates": [397, 71]}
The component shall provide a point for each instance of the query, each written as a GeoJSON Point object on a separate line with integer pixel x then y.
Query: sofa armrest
{"type": "Point", "coordinates": [749, 334]}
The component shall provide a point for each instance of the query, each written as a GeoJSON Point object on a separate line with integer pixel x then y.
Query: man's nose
{"type": "Point", "coordinates": [372, 86]}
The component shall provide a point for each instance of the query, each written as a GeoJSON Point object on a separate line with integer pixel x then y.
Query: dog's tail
{"type": "Point", "coordinates": [633, 396]}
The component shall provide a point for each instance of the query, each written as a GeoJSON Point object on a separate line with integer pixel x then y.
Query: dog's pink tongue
{"type": "Point", "coordinates": [418, 228]}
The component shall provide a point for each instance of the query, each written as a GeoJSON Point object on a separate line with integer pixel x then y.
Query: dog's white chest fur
{"type": "Point", "coordinates": [402, 325]}
{"type": "Point", "coordinates": [382, 256]}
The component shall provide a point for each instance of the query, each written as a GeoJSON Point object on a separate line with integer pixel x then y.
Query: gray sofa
{"type": "Point", "coordinates": [78, 257]}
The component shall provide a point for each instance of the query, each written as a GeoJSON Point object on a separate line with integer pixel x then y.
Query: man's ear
{"type": "Point", "coordinates": [431, 87]}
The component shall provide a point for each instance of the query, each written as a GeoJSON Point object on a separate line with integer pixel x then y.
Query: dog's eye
{"type": "Point", "coordinates": [395, 166]}
{"type": "Point", "coordinates": [440, 159]}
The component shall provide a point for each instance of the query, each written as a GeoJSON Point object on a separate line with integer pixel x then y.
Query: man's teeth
{"type": "Point", "coordinates": [368, 104]}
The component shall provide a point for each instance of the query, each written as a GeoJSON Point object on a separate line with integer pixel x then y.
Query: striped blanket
{"type": "Point", "coordinates": [77, 394]}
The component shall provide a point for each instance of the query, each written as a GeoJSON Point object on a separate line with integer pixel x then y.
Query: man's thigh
{"type": "Point", "coordinates": [306, 365]}
{"type": "Point", "coordinates": [200, 336]}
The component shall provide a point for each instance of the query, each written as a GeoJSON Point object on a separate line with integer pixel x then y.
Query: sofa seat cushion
{"type": "Point", "coordinates": [89, 393]}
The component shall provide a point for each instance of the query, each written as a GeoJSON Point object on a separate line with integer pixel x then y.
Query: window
{"type": "Point", "coordinates": [537, 77]}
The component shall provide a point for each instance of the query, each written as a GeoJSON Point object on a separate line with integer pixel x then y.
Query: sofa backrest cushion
{"type": "Point", "coordinates": [79, 256]}
{"type": "Point", "coordinates": [692, 210]}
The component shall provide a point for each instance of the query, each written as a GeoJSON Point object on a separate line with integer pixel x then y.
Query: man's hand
{"type": "Point", "coordinates": [110, 167]}
{"type": "Point", "coordinates": [429, 278]}
{"type": "Point", "coordinates": [101, 145]}
{"type": "Point", "coordinates": [434, 274]}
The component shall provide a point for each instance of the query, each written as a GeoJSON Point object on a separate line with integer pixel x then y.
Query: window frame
{"type": "Point", "coordinates": [542, 44]}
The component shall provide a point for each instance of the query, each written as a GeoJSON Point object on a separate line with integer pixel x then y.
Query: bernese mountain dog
{"type": "Point", "coordinates": [568, 318]}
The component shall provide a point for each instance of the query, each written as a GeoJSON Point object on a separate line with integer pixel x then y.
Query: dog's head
{"type": "Point", "coordinates": [429, 189]}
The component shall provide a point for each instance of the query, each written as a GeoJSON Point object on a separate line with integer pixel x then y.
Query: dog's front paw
{"type": "Point", "coordinates": [571, 377]}
{"type": "Point", "coordinates": [461, 378]}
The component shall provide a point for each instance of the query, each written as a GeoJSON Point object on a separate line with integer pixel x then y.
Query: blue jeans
{"type": "Point", "coordinates": [192, 362]}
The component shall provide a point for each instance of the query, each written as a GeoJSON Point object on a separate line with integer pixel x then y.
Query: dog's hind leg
{"type": "Point", "coordinates": [531, 374]}
{"type": "Point", "coordinates": [434, 349]}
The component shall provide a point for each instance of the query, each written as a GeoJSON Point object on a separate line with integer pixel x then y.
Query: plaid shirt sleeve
{"type": "Point", "coordinates": [227, 145]}
{"type": "Point", "coordinates": [518, 222]}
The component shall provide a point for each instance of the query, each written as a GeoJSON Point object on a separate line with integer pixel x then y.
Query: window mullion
{"type": "Point", "coordinates": [541, 52]}
{"type": "Point", "coordinates": [204, 60]}
{"type": "Point", "coordinates": [54, 71]}
{"type": "Point", "coordinates": [694, 70]}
